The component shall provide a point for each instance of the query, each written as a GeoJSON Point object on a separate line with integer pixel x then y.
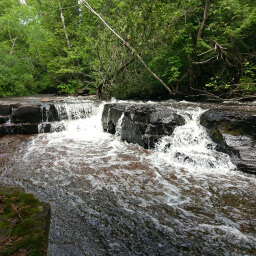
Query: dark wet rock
{"type": "Point", "coordinates": [140, 124]}
{"type": "Point", "coordinates": [234, 132]}
{"type": "Point", "coordinates": [26, 129]}
{"type": "Point", "coordinates": [6, 107]}
{"type": "Point", "coordinates": [45, 127]}
{"type": "Point", "coordinates": [24, 119]}
{"type": "Point", "coordinates": [4, 119]}
{"type": "Point", "coordinates": [25, 223]}
{"type": "Point", "coordinates": [2, 131]}
{"type": "Point", "coordinates": [49, 113]}
{"type": "Point", "coordinates": [26, 114]}
{"type": "Point", "coordinates": [110, 116]}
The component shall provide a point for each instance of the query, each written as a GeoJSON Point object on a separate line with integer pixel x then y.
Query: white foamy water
{"type": "Point", "coordinates": [109, 197]}
{"type": "Point", "coordinates": [190, 148]}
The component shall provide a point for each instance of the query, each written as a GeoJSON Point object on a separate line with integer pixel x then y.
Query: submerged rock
{"type": "Point", "coordinates": [234, 132]}
{"type": "Point", "coordinates": [140, 124]}
{"type": "Point", "coordinates": [25, 223]}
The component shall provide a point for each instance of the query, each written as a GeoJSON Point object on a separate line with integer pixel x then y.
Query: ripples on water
{"type": "Point", "coordinates": [113, 198]}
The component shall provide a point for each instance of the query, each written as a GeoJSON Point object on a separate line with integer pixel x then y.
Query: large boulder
{"type": "Point", "coordinates": [26, 114]}
{"type": "Point", "coordinates": [234, 132]}
{"type": "Point", "coordinates": [140, 124]}
{"type": "Point", "coordinates": [110, 116]}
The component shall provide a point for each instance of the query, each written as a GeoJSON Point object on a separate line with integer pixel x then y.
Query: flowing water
{"type": "Point", "coordinates": [109, 197]}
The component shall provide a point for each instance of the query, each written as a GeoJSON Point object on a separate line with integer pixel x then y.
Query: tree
{"type": "Point", "coordinates": [199, 48]}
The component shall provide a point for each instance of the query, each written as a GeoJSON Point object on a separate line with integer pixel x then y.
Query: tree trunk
{"type": "Point", "coordinates": [64, 26]}
{"type": "Point", "coordinates": [200, 31]}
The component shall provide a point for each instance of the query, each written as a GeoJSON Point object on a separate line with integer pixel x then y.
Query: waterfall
{"type": "Point", "coordinates": [119, 127]}
{"type": "Point", "coordinates": [63, 115]}
{"type": "Point", "coordinates": [75, 111]}
{"type": "Point", "coordinates": [191, 148]}
{"type": "Point", "coordinates": [109, 197]}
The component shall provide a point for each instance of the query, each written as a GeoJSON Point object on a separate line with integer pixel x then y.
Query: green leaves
{"type": "Point", "coordinates": [34, 55]}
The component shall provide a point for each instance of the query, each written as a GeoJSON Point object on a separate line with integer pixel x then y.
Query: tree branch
{"type": "Point", "coordinates": [203, 22]}
{"type": "Point", "coordinates": [205, 61]}
{"type": "Point", "coordinates": [85, 3]}
{"type": "Point", "coordinates": [64, 26]}
{"type": "Point", "coordinates": [13, 42]}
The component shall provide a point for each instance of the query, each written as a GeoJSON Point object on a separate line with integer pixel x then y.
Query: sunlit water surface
{"type": "Point", "coordinates": [113, 198]}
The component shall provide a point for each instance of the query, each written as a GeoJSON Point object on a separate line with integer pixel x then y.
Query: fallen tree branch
{"type": "Point", "coordinates": [208, 94]}
{"type": "Point", "coordinates": [205, 52]}
{"type": "Point", "coordinates": [215, 97]}
{"type": "Point", "coordinates": [64, 26]}
{"type": "Point", "coordinates": [206, 7]}
{"type": "Point", "coordinates": [247, 97]}
{"type": "Point", "coordinates": [85, 3]}
{"type": "Point", "coordinates": [238, 88]}
{"type": "Point", "coordinates": [205, 61]}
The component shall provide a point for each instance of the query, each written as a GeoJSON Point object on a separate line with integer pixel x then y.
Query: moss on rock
{"type": "Point", "coordinates": [24, 223]}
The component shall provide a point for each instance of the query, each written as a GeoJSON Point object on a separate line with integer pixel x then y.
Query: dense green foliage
{"type": "Point", "coordinates": [197, 47]}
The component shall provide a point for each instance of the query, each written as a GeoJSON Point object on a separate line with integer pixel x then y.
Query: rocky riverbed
{"type": "Point", "coordinates": [179, 194]}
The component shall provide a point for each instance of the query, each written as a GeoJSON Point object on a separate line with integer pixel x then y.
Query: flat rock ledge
{"type": "Point", "coordinates": [140, 124]}
{"type": "Point", "coordinates": [17, 118]}
{"type": "Point", "coordinates": [24, 223]}
{"type": "Point", "coordinates": [22, 118]}
{"type": "Point", "coordinates": [234, 132]}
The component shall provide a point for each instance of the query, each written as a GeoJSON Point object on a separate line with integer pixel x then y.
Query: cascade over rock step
{"type": "Point", "coordinates": [39, 117]}
{"type": "Point", "coordinates": [140, 124]}
{"type": "Point", "coordinates": [234, 132]}
{"type": "Point", "coordinates": [24, 118]}
{"type": "Point", "coordinates": [233, 129]}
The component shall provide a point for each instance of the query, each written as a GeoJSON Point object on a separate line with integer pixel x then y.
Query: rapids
{"type": "Point", "coordinates": [109, 197]}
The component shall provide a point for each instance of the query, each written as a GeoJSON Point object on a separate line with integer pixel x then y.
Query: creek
{"type": "Point", "coordinates": [109, 197]}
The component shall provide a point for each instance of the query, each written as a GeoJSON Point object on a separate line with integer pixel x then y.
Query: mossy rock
{"type": "Point", "coordinates": [24, 223]}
